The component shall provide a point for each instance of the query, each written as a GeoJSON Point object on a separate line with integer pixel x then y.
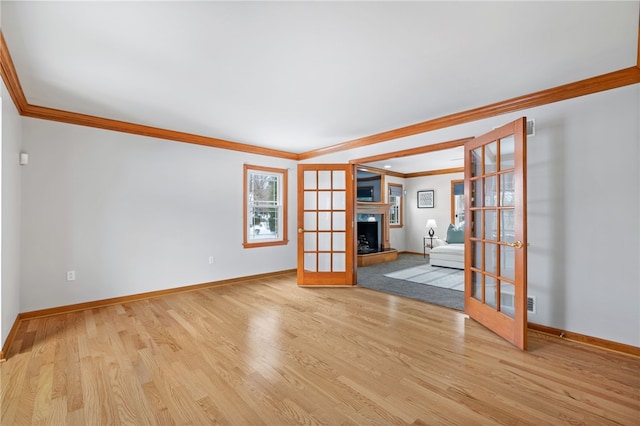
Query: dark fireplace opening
{"type": "Point", "coordinates": [368, 237]}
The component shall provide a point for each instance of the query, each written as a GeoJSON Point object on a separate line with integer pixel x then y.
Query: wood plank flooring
{"type": "Point", "coordinates": [268, 352]}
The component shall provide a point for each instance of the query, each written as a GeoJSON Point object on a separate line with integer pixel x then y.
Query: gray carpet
{"type": "Point", "coordinates": [373, 277]}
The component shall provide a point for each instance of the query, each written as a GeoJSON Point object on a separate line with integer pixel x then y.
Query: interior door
{"type": "Point", "coordinates": [496, 240]}
{"type": "Point", "coordinates": [325, 225]}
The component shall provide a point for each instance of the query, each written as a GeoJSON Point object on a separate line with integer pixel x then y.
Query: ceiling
{"type": "Point", "coordinates": [299, 76]}
{"type": "Point", "coordinates": [435, 160]}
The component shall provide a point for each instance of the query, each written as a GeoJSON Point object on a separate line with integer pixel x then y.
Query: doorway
{"type": "Point", "coordinates": [439, 167]}
{"type": "Point", "coordinates": [495, 263]}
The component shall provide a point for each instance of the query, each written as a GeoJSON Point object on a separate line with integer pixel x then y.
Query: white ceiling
{"type": "Point", "coordinates": [297, 76]}
{"type": "Point", "coordinates": [436, 160]}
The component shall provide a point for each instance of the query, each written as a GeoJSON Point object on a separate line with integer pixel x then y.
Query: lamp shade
{"type": "Point", "coordinates": [431, 224]}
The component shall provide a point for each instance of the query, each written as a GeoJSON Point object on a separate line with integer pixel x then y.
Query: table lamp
{"type": "Point", "coordinates": [431, 226]}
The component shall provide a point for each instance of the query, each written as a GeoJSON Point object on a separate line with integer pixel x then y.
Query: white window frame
{"type": "Point", "coordinates": [395, 203]}
{"type": "Point", "coordinates": [260, 234]}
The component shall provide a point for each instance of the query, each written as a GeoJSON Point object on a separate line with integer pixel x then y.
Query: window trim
{"type": "Point", "coordinates": [400, 207]}
{"type": "Point", "coordinates": [453, 199]}
{"type": "Point", "coordinates": [245, 202]}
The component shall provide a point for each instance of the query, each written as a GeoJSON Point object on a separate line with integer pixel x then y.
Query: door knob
{"type": "Point", "coordinates": [517, 244]}
{"type": "Point", "coordinates": [300, 230]}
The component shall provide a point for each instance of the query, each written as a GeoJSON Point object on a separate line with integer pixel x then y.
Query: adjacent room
{"type": "Point", "coordinates": [319, 212]}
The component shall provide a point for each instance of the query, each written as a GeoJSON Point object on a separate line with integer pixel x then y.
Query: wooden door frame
{"type": "Point", "coordinates": [327, 278]}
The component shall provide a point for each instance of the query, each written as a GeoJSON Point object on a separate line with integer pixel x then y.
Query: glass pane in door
{"type": "Point", "coordinates": [310, 221]}
{"type": "Point", "coordinates": [476, 285]}
{"type": "Point", "coordinates": [490, 191]}
{"type": "Point", "coordinates": [339, 200]}
{"type": "Point", "coordinates": [324, 262]}
{"type": "Point", "coordinates": [476, 229]}
{"type": "Point", "coordinates": [490, 291]}
{"type": "Point", "coordinates": [490, 157]}
{"type": "Point", "coordinates": [310, 262]}
{"type": "Point", "coordinates": [490, 225]}
{"type": "Point", "coordinates": [324, 221]}
{"type": "Point", "coordinates": [507, 226]}
{"type": "Point", "coordinates": [324, 200]}
{"type": "Point", "coordinates": [507, 153]}
{"type": "Point", "coordinates": [324, 179]}
{"type": "Point", "coordinates": [507, 183]}
{"type": "Point", "coordinates": [324, 241]}
{"type": "Point", "coordinates": [476, 193]}
{"type": "Point", "coordinates": [490, 258]}
{"type": "Point", "coordinates": [339, 179]}
{"type": "Point", "coordinates": [310, 241]}
{"type": "Point", "coordinates": [507, 262]}
{"type": "Point", "coordinates": [507, 298]}
{"type": "Point", "coordinates": [339, 242]}
{"type": "Point", "coordinates": [476, 162]}
{"type": "Point", "coordinates": [310, 181]}
{"type": "Point", "coordinates": [310, 202]}
{"type": "Point", "coordinates": [339, 262]}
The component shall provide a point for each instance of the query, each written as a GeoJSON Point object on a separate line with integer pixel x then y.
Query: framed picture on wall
{"type": "Point", "coordinates": [426, 199]}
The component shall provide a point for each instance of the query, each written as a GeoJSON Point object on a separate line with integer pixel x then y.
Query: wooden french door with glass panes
{"type": "Point", "coordinates": [325, 225]}
{"type": "Point", "coordinates": [496, 231]}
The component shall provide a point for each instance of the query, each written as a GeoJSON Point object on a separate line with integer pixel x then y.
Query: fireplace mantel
{"type": "Point", "coordinates": [368, 207]}
{"type": "Point", "coordinates": [364, 207]}
{"type": "Point", "coordinates": [387, 254]}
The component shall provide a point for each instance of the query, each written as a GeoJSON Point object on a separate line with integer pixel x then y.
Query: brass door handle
{"type": "Point", "coordinates": [300, 230]}
{"type": "Point", "coordinates": [517, 244]}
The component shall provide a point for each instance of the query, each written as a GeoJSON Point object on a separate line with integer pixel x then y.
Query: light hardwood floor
{"type": "Point", "coordinates": [268, 352]}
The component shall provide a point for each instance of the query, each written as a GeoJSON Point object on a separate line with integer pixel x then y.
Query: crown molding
{"type": "Point", "coordinates": [384, 172]}
{"type": "Point", "coordinates": [412, 151]}
{"type": "Point", "coordinates": [11, 80]}
{"type": "Point", "coordinates": [435, 172]}
{"type": "Point", "coordinates": [612, 80]}
{"type": "Point", "coordinates": [45, 113]}
{"type": "Point", "coordinates": [10, 77]}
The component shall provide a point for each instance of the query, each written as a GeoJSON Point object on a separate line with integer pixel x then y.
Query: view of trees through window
{"type": "Point", "coordinates": [265, 218]}
{"type": "Point", "coordinates": [263, 205]}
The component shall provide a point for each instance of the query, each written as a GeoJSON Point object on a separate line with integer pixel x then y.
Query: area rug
{"type": "Point", "coordinates": [450, 278]}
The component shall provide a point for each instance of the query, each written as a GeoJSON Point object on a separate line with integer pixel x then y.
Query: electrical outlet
{"type": "Point", "coordinates": [210, 260]}
{"type": "Point", "coordinates": [71, 275]}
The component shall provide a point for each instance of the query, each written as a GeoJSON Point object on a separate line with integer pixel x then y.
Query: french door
{"type": "Point", "coordinates": [325, 225]}
{"type": "Point", "coordinates": [496, 232]}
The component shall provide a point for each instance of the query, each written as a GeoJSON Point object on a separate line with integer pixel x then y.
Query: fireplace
{"type": "Point", "coordinates": [368, 237]}
{"type": "Point", "coordinates": [373, 236]}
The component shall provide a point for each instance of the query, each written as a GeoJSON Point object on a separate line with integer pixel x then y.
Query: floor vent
{"type": "Point", "coordinates": [507, 301]}
{"type": "Point", "coordinates": [531, 127]}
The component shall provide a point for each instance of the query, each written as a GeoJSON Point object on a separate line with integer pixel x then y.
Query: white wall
{"type": "Point", "coordinates": [10, 208]}
{"type": "Point", "coordinates": [132, 214]}
{"type": "Point", "coordinates": [441, 212]}
{"type": "Point", "coordinates": [583, 166]}
{"type": "Point", "coordinates": [583, 211]}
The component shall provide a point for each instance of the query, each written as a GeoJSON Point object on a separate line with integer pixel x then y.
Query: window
{"type": "Point", "coordinates": [265, 212]}
{"type": "Point", "coordinates": [457, 202]}
{"type": "Point", "coordinates": [395, 210]}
